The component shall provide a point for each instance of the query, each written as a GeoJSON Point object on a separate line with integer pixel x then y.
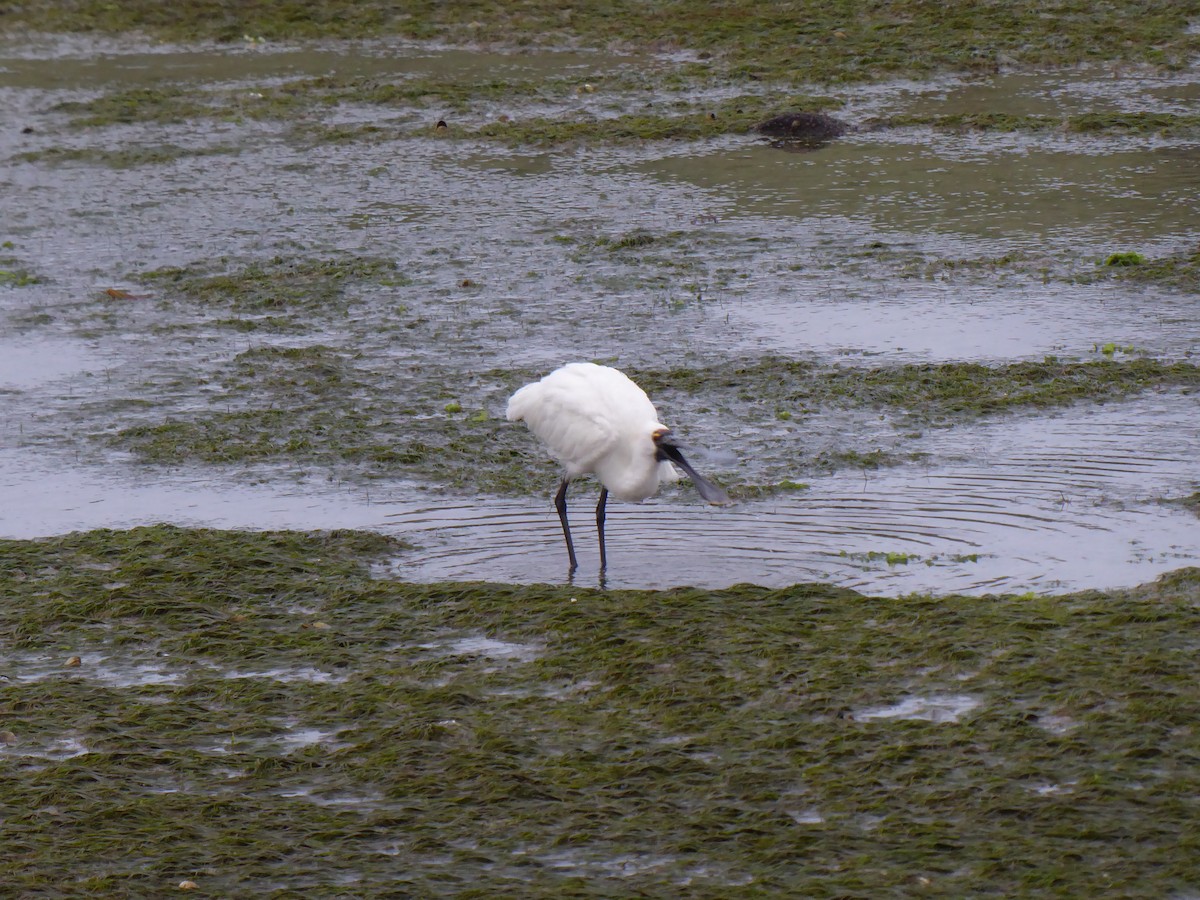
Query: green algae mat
{"type": "Point", "coordinates": [279, 714]}
{"type": "Point", "coordinates": [834, 41]}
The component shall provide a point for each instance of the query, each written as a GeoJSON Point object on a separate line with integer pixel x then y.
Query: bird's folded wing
{"type": "Point", "coordinates": [575, 431]}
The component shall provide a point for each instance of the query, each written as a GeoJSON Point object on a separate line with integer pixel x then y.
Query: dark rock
{"type": "Point", "coordinates": [803, 126]}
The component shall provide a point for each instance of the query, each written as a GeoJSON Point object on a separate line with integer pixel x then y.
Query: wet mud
{"type": "Point", "coordinates": [946, 364]}
{"type": "Point", "coordinates": [272, 712]}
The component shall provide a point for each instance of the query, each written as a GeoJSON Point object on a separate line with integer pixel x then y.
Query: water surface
{"type": "Point", "coordinates": [887, 247]}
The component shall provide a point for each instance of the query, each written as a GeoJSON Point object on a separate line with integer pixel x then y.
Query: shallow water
{"type": "Point", "coordinates": [1045, 506]}
{"type": "Point", "coordinates": [1048, 505]}
{"type": "Point", "coordinates": [82, 63]}
{"type": "Point", "coordinates": [1065, 92]}
{"type": "Point", "coordinates": [1040, 194]}
{"type": "Point", "coordinates": [939, 321]}
{"type": "Point", "coordinates": [935, 708]}
{"type": "Point", "coordinates": [837, 255]}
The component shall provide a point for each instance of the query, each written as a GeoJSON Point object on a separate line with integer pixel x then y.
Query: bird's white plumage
{"type": "Point", "coordinates": [594, 420]}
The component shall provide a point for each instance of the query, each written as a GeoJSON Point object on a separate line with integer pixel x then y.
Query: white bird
{"type": "Point", "coordinates": [595, 421]}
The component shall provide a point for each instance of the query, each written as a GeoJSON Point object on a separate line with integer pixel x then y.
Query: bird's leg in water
{"type": "Point", "coordinates": [600, 525]}
{"type": "Point", "coordinates": [560, 503]}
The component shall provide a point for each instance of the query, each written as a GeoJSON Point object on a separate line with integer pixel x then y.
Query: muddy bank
{"type": "Point", "coordinates": [270, 715]}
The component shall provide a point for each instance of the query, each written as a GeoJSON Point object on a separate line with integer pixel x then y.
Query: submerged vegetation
{"type": "Point", "coordinates": [120, 159]}
{"type": "Point", "coordinates": [316, 405]}
{"type": "Point", "coordinates": [745, 39]}
{"type": "Point", "coordinates": [17, 277]}
{"type": "Point", "coordinates": [1191, 502]}
{"type": "Point", "coordinates": [1082, 123]}
{"type": "Point", "coordinates": [12, 272]}
{"type": "Point", "coordinates": [1181, 271]}
{"type": "Point", "coordinates": [930, 392]}
{"type": "Point", "coordinates": [266, 715]}
{"type": "Point", "coordinates": [675, 53]}
{"type": "Point", "coordinates": [320, 406]}
{"type": "Point", "coordinates": [697, 123]}
{"type": "Point", "coordinates": [637, 111]}
{"type": "Point", "coordinates": [278, 285]}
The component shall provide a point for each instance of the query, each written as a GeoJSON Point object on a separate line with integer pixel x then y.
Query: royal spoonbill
{"type": "Point", "coordinates": [596, 421]}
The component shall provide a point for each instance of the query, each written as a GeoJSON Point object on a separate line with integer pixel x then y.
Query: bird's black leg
{"type": "Point", "coordinates": [560, 503]}
{"type": "Point", "coordinates": [600, 525]}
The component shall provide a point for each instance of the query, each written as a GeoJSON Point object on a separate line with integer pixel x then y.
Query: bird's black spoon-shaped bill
{"type": "Point", "coordinates": [668, 449]}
